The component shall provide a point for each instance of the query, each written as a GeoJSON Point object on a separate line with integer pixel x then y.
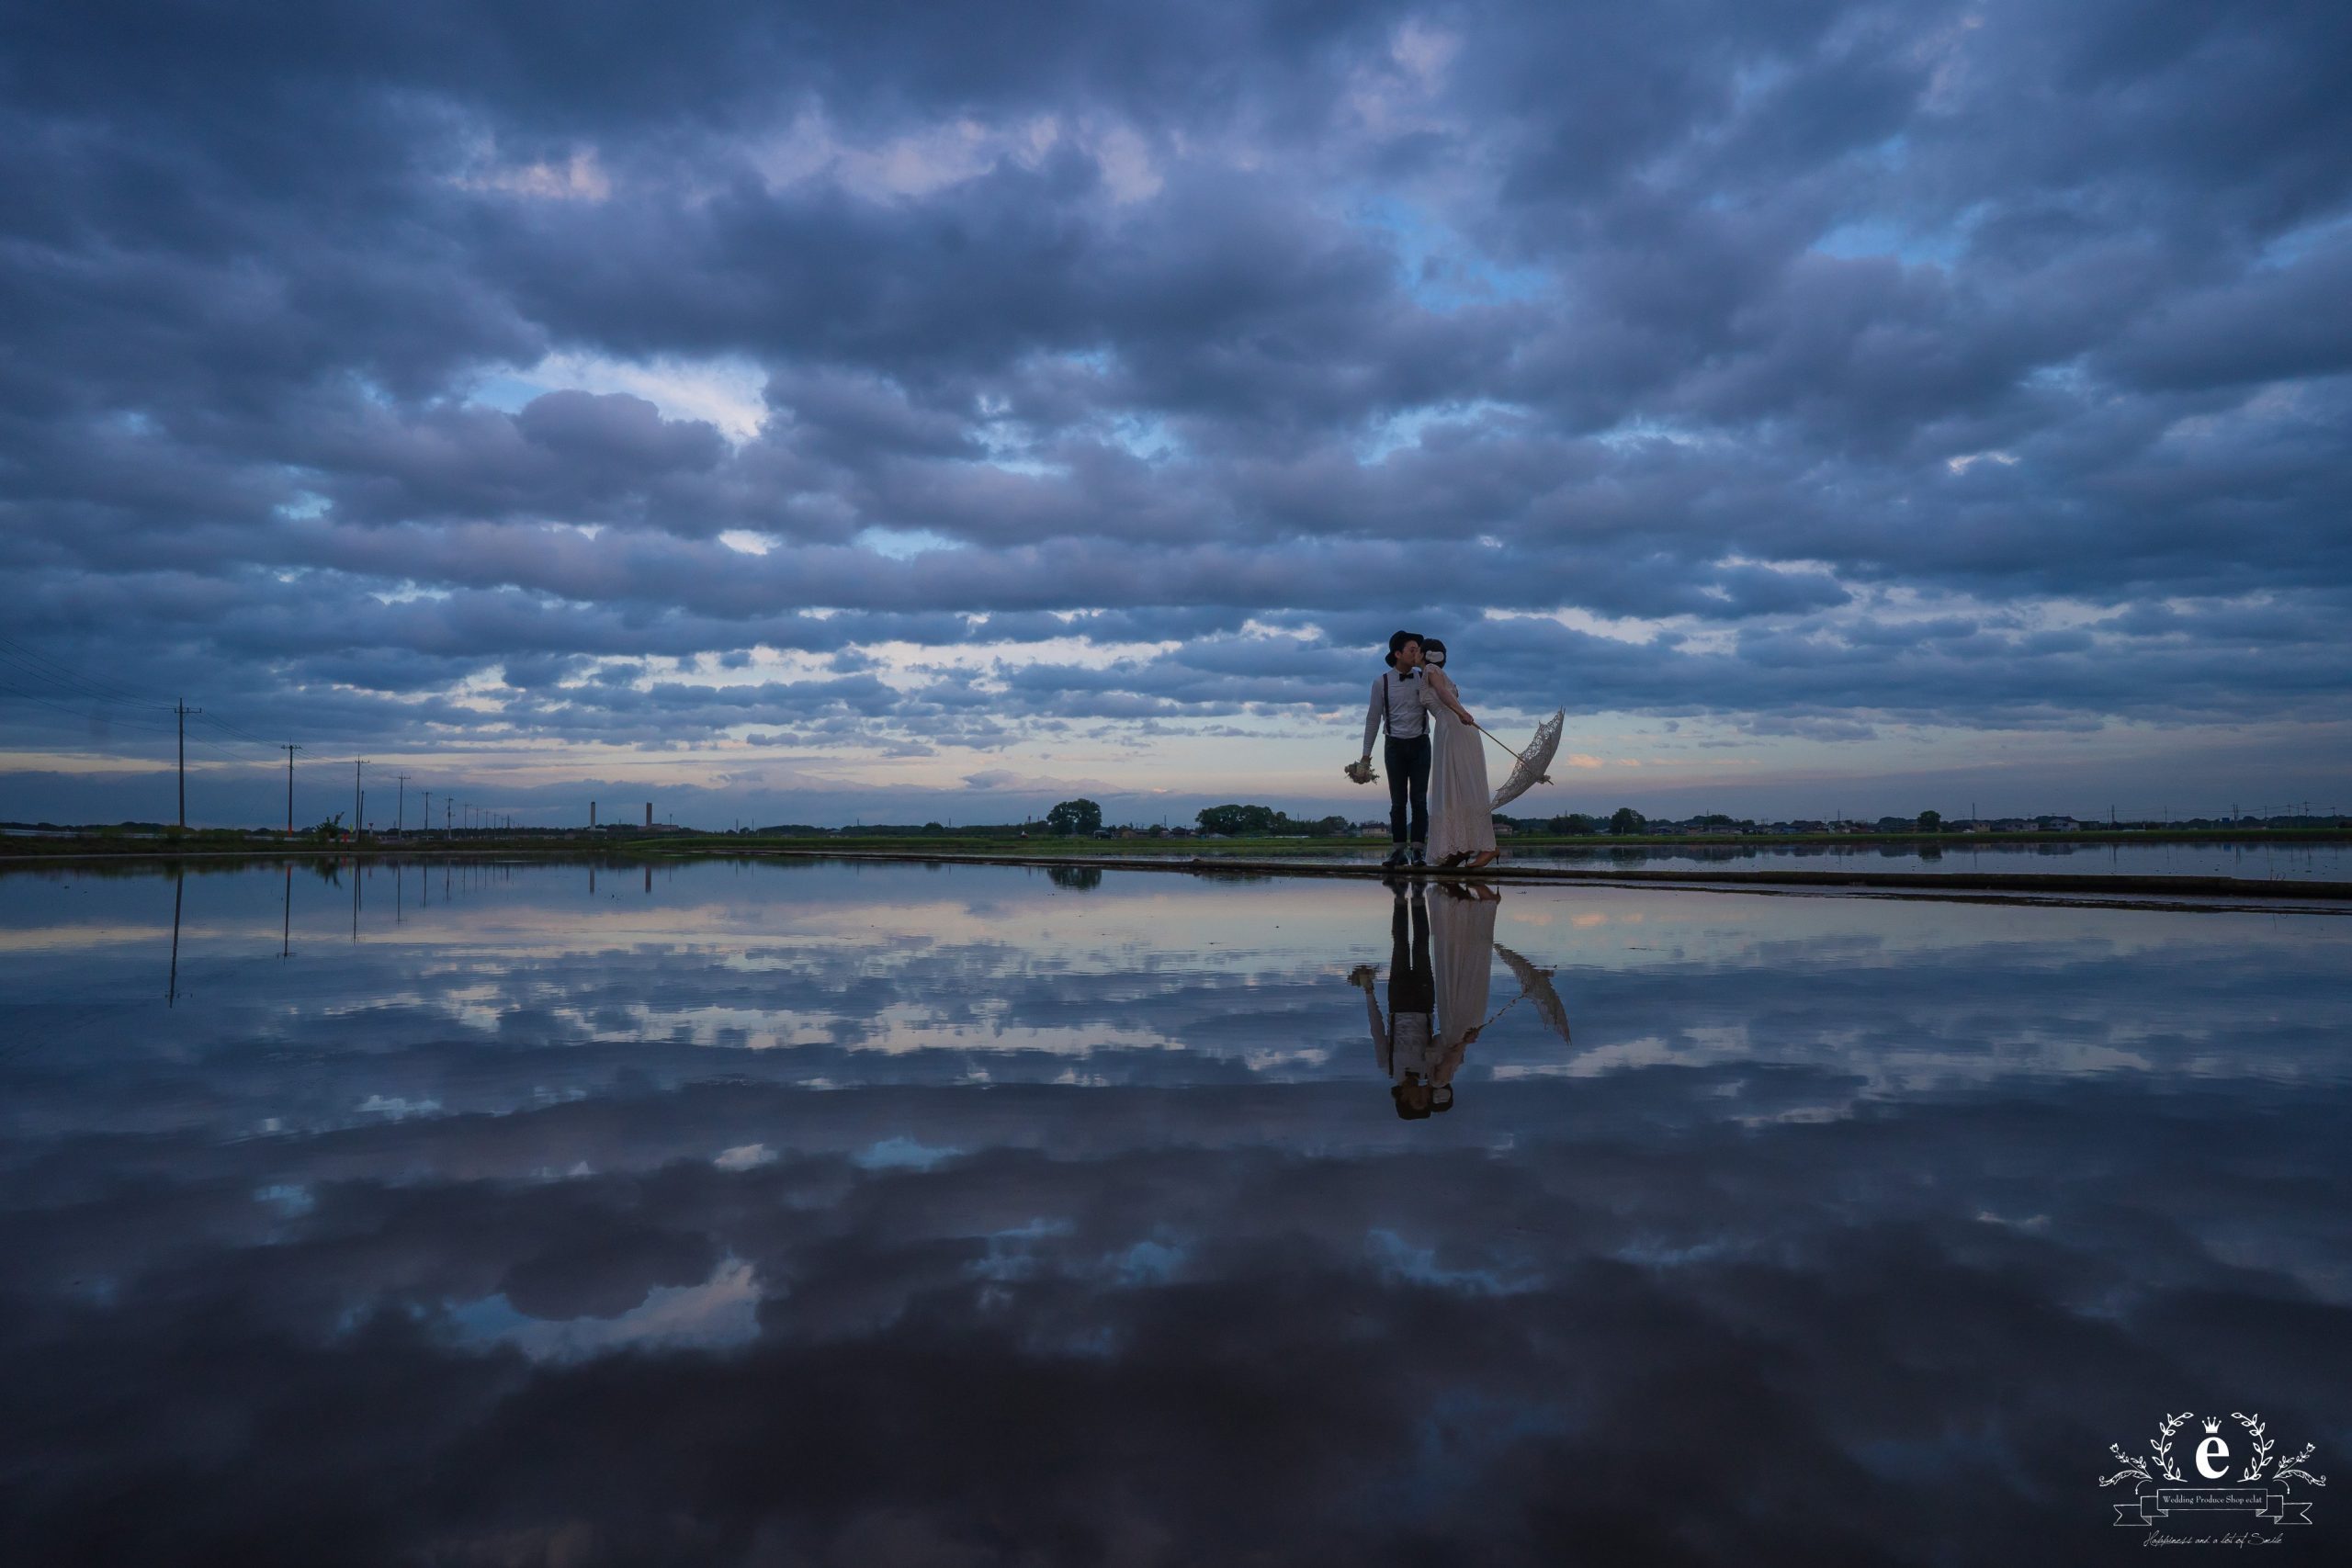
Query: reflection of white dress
{"type": "Point", "coordinates": [1461, 942]}
{"type": "Point", "coordinates": [1459, 818]}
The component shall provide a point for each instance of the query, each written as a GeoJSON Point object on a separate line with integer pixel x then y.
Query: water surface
{"type": "Point", "coordinates": [803, 1212]}
{"type": "Point", "coordinates": [2257, 863]}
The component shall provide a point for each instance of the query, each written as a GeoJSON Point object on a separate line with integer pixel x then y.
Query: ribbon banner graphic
{"type": "Point", "coordinates": [2150, 1507]}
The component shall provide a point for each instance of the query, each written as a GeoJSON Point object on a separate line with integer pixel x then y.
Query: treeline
{"type": "Point", "coordinates": [1265, 822]}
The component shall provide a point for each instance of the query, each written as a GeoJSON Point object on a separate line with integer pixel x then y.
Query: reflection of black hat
{"type": "Point", "coordinates": [1398, 640]}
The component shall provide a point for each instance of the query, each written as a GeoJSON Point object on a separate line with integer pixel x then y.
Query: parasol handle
{"type": "Point", "coordinates": [1497, 741]}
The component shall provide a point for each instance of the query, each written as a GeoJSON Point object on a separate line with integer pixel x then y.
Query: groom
{"type": "Point", "coordinates": [1396, 702]}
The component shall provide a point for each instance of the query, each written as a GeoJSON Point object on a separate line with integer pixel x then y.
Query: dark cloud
{"type": "Point", "coordinates": [1768, 326]}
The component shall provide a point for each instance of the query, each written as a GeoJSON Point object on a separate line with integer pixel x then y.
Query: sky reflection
{"type": "Point", "coordinates": [888, 1215]}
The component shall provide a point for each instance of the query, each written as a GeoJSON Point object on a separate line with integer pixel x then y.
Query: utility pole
{"type": "Point", "coordinates": [426, 826]}
{"type": "Point", "coordinates": [181, 709]}
{"type": "Point", "coordinates": [400, 807]}
{"type": "Point", "coordinates": [356, 798]}
{"type": "Point", "coordinates": [445, 814]}
{"type": "Point", "coordinates": [289, 751]}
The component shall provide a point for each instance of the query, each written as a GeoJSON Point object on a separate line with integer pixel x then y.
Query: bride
{"type": "Point", "coordinates": [1461, 829]}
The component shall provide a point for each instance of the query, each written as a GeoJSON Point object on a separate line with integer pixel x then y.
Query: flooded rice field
{"type": "Point", "coordinates": [803, 1212]}
{"type": "Point", "coordinates": [2258, 863]}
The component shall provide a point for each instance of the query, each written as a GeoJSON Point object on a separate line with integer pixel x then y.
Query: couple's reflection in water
{"type": "Point", "coordinates": [1441, 972]}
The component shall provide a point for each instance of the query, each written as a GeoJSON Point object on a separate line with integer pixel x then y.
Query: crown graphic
{"type": "Point", "coordinates": [2212, 1423]}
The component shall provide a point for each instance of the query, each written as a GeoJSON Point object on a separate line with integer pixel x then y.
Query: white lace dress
{"type": "Point", "coordinates": [1462, 936]}
{"type": "Point", "coordinates": [1459, 820]}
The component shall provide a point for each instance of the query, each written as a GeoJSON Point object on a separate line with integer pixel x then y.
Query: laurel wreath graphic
{"type": "Point", "coordinates": [2252, 1425]}
{"type": "Point", "coordinates": [2145, 1469]}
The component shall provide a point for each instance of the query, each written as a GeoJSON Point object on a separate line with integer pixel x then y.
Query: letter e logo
{"type": "Point", "coordinates": [2212, 1458]}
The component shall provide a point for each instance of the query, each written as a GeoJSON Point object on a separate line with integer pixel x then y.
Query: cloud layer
{"type": "Point", "coordinates": [488, 378]}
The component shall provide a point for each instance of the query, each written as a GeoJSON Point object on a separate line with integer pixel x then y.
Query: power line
{"type": "Point", "coordinates": [132, 720]}
{"type": "Point", "coordinates": [39, 665]}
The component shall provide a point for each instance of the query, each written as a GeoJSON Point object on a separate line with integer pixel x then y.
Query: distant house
{"type": "Point", "coordinates": [2056, 824]}
{"type": "Point", "coordinates": [1504, 829]}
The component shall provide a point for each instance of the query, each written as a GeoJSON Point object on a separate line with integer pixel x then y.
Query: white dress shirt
{"type": "Point", "coordinates": [1399, 697]}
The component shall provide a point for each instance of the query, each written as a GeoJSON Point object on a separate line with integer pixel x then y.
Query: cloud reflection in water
{"type": "Point", "coordinates": [1083, 1226]}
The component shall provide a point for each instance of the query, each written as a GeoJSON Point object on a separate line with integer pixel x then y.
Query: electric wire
{"type": "Point", "coordinates": [39, 665]}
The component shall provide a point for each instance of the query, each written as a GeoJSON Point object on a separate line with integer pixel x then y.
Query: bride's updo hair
{"type": "Point", "coordinates": [1433, 653]}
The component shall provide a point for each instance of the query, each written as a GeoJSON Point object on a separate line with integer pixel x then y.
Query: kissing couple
{"type": "Point", "coordinates": [1436, 767]}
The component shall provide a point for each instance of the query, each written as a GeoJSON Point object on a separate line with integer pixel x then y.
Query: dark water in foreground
{"type": "Point", "coordinates": [878, 1214]}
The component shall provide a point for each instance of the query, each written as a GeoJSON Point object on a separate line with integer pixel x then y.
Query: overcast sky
{"type": "Point", "coordinates": [919, 412]}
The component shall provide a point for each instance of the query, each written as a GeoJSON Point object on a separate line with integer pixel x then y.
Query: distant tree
{"type": "Point", "coordinates": [1242, 821]}
{"type": "Point", "coordinates": [1075, 816]}
{"type": "Point", "coordinates": [1627, 820]}
{"type": "Point", "coordinates": [330, 828]}
{"type": "Point", "coordinates": [1931, 821]}
{"type": "Point", "coordinates": [1575, 822]}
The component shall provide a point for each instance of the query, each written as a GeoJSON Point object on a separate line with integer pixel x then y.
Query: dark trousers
{"type": "Point", "coordinates": [1409, 778]}
{"type": "Point", "coordinates": [1412, 983]}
